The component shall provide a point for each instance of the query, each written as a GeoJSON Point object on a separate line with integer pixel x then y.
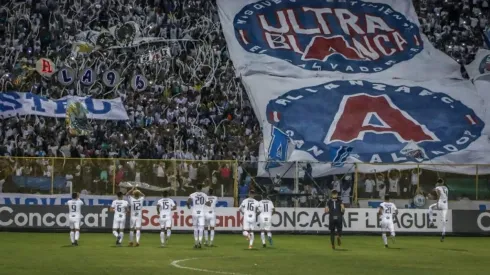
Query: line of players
{"type": "Point", "coordinates": [203, 215]}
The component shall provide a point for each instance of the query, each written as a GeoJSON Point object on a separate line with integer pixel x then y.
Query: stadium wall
{"type": "Point", "coordinates": [291, 220]}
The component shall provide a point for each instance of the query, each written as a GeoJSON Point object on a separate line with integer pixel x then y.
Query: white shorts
{"type": "Point", "coordinates": [248, 224]}
{"type": "Point", "coordinates": [119, 223]}
{"type": "Point", "coordinates": [165, 223]}
{"type": "Point", "coordinates": [135, 222]}
{"type": "Point", "coordinates": [74, 222]}
{"type": "Point", "coordinates": [197, 220]}
{"type": "Point", "coordinates": [265, 223]}
{"type": "Point", "coordinates": [387, 225]}
{"type": "Point", "coordinates": [210, 219]}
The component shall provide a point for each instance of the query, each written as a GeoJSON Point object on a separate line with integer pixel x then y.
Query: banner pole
{"type": "Point", "coordinates": [418, 179]}
{"type": "Point", "coordinates": [114, 178]}
{"type": "Point", "coordinates": [356, 182]}
{"type": "Point", "coordinates": [235, 184]}
{"type": "Point", "coordinates": [476, 183]}
{"type": "Point", "coordinates": [52, 176]}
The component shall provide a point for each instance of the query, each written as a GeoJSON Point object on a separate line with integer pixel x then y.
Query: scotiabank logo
{"type": "Point", "coordinates": [15, 217]}
{"type": "Point", "coordinates": [182, 219]}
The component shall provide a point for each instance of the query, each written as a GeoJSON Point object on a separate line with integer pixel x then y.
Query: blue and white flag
{"type": "Point", "coordinates": [16, 103]}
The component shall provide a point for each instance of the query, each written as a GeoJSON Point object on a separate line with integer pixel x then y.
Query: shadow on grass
{"type": "Point", "coordinates": [68, 245]}
{"type": "Point", "coordinates": [454, 249]}
{"type": "Point", "coordinates": [341, 249]}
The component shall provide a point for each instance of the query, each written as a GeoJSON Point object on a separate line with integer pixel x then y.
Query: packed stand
{"type": "Point", "coordinates": [194, 108]}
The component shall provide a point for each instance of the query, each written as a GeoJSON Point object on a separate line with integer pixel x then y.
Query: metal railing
{"type": "Point", "coordinates": [295, 185]}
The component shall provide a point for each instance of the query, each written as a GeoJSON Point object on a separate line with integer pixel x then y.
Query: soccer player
{"type": "Point", "coordinates": [210, 218]}
{"type": "Point", "coordinates": [442, 204]}
{"type": "Point", "coordinates": [136, 199]}
{"type": "Point", "coordinates": [198, 200]}
{"type": "Point", "coordinates": [336, 209]}
{"type": "Point", "coordinates": [249, 210]}
{"type": "Point", "coordinates": [387, 211]}
{"type": "Point", "coordinates": [75, 215]}
{"type": "Point", "coordinates": [266, 210]}
{"type": "Point", "coordinates": [120, 207]}
{"type": "Point", "coordinates": [165, 206]}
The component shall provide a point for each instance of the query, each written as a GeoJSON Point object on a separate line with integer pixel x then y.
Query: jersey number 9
{"type": "Point", "coordinates": [73, 208]}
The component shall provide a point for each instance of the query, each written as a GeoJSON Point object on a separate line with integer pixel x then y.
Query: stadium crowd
{"type": "Point", "coordinates": [194, 108]}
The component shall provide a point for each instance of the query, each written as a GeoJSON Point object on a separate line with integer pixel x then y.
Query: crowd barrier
{"type": "Point", "coordinates": [103, 177]}
{"type": "Point", "coordinates": [293, 220]}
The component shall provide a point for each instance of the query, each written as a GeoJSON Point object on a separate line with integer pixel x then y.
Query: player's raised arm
{"type": "Point", "coordinates": [130, 192]}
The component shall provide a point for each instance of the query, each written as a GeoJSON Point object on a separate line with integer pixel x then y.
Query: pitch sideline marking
{"type": "Point", "coordinates": [177, 265]}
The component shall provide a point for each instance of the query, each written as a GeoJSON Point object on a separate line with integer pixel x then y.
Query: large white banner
{"type": "Point", "coordinates": [369, 122]}
{"type": "Point", "coordinates": [90, 200]}
{"type": "Point", "coordinates": [17, 103]}
{"type": "Point", "coordinates": [304, 220]}
{"type": "Point", "coordinates": [375, 39]}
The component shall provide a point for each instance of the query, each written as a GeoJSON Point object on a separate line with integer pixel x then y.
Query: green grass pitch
{"type": "Point", "coordinates": [52, 254]}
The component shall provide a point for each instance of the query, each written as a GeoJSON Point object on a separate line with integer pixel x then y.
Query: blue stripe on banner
{"type": "Point", "coordinates": [40, 183]}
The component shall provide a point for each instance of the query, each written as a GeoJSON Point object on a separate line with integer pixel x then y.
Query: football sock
{"type": "Point", "coordinates": [77, 235]}
{"type": "Point", "coordinates": [385, 239]}
{"type": "Point", "coordinates": [169, 232]}
{"type": "Point", "coordinates": [206, 235]}
{"type": "Point", "coordinates": [72, 236]}
{"type": "Point", "coordinates": [115, 233]}
{"type": "Point", "coordinates": [251, 238]}
{"type": "Point", "coordinates": [162, 237]}
{"type": "Point", "coordinates": [212, 235]}
{"type": "Point", "coordinates": [138, 235]}
{"type": "Point", "coordinates": [131, 236]}
{"type": "Point", "coordinates": [262, 236]}
{"type": "Point", "coordinates": [196, 234]}
{"type": "Point", "coordinates": [332, 237]}
{"type": "Point", "coordinates": [121, 235]}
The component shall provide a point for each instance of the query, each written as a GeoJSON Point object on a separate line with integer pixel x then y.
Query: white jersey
{"type": "Point", "coordinates": [75, 208]}
{"type": "Point", "coordinates": [120, 208]}
{"type": "Point", "coordinates": [165, 206]}
{"type": "Point", "coordinates": [443, 193]}
{"type": "Point", "coordinates": [249, 208]}
{"type": "Point", "coordinates": [389, 209]}
{"type": "Point", "coordinates": [265, 208]}
{"type": "Point", "coordinates": [213, 200]}
{"type": "Point", "coordinates": [199, 200]}
{"type": "Point", "coordinates": [136, 206]}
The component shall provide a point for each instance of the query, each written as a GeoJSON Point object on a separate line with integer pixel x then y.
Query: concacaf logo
{"type": "Point", "coordinates": [349, 37]}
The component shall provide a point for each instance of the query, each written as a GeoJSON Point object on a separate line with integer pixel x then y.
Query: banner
{"type": "Point", "coordinates": [471, 221]}
{"type": "Point", "coordinates": [377, 39]}
{"type": "Point", "coordinates": [391, 121]}
{"type": "Point", "coordinates": [17, 103]}
{"type": "Point", "coordinates": [228, 219]}
{"type": "Point", "coordinates": [480, 66]}
{"type": "Point", "coordinates": [92, 200]}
